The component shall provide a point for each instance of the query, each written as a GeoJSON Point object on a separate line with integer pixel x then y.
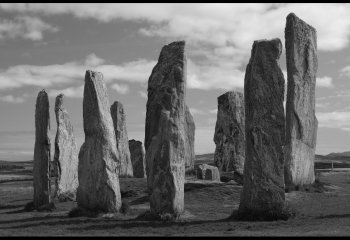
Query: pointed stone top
{"type": "Point", "coordinates": [117, 104]}
{"type": "Point", "coordinates": [59, 102]}
{"type": "Point", "coordinates": [172, 50]}
{"type": "Point", "coordinates": [294, 18]}
{"type": "Point", "coordinates": [230, 93]}
{"type": "Point", "coordinates": [93, 74]}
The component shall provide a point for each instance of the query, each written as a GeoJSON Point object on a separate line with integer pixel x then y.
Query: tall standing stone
{"type": "Point", "coordinates": [165, 135]}
{"type": "Point", "coordinates": [119, 122]}
{"type": "Point", "coordinates": [42, 155]}
{"type": "Point", "coordinates": [263, 188]}
{"type": "Point", "coordinates": [301, 122]}
{"type": "Point", "coordinates": [66, 153]}
{"type": "Point", "coordinates": [190, 128]}
{"type": "Point", "coordinates": [137, 153]}
{"type": "Point", "coordinates": [98, 171]}
{"type": "Point", "coordinates": [229, 134]}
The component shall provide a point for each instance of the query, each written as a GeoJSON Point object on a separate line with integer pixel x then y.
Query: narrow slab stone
{"type": "Point", "coordinates": [119, 122]}
{"type": "Point", "coordinates": [137, 153]}
{"type": "Point", "coordinates": [66, 153]}
{"type": "Point", "coordinates": [263, 186]}
{"type": "Point", "coordinates": [42, 154]}
{"type": "Point", "coordinates": [190, 128]}
{"type": "Point", "coordinates": [229, 134]}
{"type": "Point", "coordinates": [301, 53]}
{"type": "Point", "coordinates": [207, 172]}
{"type": "Point", "coordinates": [98, 171]}
{"type": "Point", "coordinates": [165, 135]}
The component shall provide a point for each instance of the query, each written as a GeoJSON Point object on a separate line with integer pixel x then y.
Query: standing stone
{"type": "Point", "coordinates": [301, 123]}
{"type": "Point", "coordinates": [165, 135]}
{"type": "Point", "coordinates": [41, 164]}
{"type": "Point", "coordinates": [190, 128]}
{"type": "Point", "coordinates": [263, 186]}
{"type": "Point", "coordinates": [207, 172]}
{"type": "Point", "coordinates": [119, 122]}
{"type": "Point", "coordinates": [66, 153]}
{"type": "Point", "coordinates": [138, 160]}
{"type": "Point", "coordinates": [98, 171]}
{"type": "Point", "coordinates": [229, 134]}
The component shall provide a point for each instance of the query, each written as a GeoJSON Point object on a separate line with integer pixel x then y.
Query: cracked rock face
{"type": "Point", "coordinates": [42, 154]}
{"type": "Point", "coordinates": [137, 153]}
{"type": "Point", "coordinates": [190, 128]}
{"type": "Point", "coordinates": [165, 135]}
{"type": "Point", "coordinates": [119, 122]}
{"type": "Point", "coordinates": [98, 171]}
{"type": "Point", "coordinates": [263, 184]}
{"type": "Point", "coordinates": [66, 153]}
{"type": "Point", "coordinates": [301, 122]}
{"type": "Point", "coordinates": [230, 133]}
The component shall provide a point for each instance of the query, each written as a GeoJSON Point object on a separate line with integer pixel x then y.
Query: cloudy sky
{"type": "Point", "coordinates": [51, 46]}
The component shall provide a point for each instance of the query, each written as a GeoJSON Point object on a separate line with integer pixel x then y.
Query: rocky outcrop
{"type": "Point", "coordinates": [137, 153]}
{"type": "Point", "coordinates": [165, 135]}
{"type": "Point", "coordinates": [190, 128]}
{"type": "Point", "coordinates": [119, 122]}
{"type": "Point", "coordinates": [66, 153]}
{"type": "Point", "coordinates": [301, 53]}
{"type": "Point", "coordinates": [42, 154]}
{"type": "Point", "coordinates": [263, 185]}
{"type": "Point", "coordinates": [229, 134]}
{"type": "Point", "coordinates": [98, 171]}
{"type": "Point", "coordinates": [207, 172]}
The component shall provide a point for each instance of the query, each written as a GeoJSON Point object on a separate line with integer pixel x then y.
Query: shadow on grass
{"type": "Point", "coordinates": [10, 206]}
{"type": "Point", "coordinates": [30, 219]}
{"type": "Point", "coordinates": [335, 216]}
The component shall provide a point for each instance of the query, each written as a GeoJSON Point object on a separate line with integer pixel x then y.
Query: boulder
{"type": "Point", "coordinates": [98, 188]}
{"type": "Point", "coordinates": [263, 196]}
{"type": "Point", "coordinates": [119, 122]}
{"type": "Point", "coordinates": [207, 172]}
{"type": "Point", "coordinates": [165, 135]}
{"type": "Point", "coordinates": [42, 154]}
{"type": "Point", "coordinates": [229, 134]}
{"type": "Point", "coordinates": [66, 153]}
{"type": "Point", "coordinates": [137, 153]}
{"type": "Point", "coordinates": [301, 122]}
{"type": "Point", "coordinates": [190, 128]}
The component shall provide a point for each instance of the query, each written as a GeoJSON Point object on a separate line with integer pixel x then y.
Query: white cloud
{"type": "Point", "coordinates": [214, 111]}
{"type": "Point", "coordinates": [196, 111]}
{"type": "Point", "coordinates": [143, 94]}
{"type": "Point", "coordinates": [12, 99]}
{"type": "Point", "coordinates": [120, 88]}
{"type": "Point", "coordinates": [335, 119]}
{"type": "Point", "coordinates": [25, 27]}
{"type": "Point", "coordinates": [324, 82]}
{"type": "Point", "coordinates": [61, 74]}
{"type": "Point", "coordinates": [71, 92]}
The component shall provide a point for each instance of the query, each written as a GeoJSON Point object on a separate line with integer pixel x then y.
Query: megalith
{"type": "Point", "coordinates": [119, 122]}
{"type": "Point", "coordinates": [301, 123]}
{"type": "Point", "coordinates": [137, 153]}
{"type": "Point", "coordinates": [190, 128]}
{"type": "Point", "coordinates": [208, 172]}
{"type": "Point", "coordinates": [98, 170]}
{"type": "Point", "coordinates": [66, 154]}
{"type": "Point", "coordinates": [262, 196]}
{"type": "Point", "coordinates": [229, 134]}
{"type": "Point", "coordinates": [165, 135]}
{"type": "Point", "coordinates": [42, 152]}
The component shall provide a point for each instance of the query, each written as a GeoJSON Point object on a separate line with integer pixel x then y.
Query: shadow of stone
{"type": "Point", "coordinates": [31, 219]}
{"type": "Point", "coordinates": [140, 200]}
{"type": "Point", "coordinates": [194, 186]}
{"type": "Point", "coordinates": [334, 216]}
{"type": "Point", "coordinates": [10, 206]}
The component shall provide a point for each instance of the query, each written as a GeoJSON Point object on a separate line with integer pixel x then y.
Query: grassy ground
{"type": "Point", "coordinates": [207, 207]}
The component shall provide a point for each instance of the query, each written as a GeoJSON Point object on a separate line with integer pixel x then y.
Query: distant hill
{"type": "Point", "coordinates": [342, 154]}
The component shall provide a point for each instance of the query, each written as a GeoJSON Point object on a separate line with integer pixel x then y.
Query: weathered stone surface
{"type": "Point", "coordinates": [229, 134]}
{"type": "Point", "coordinates": [42, 154]}
{"type": "Point", "coordinates": [138, 159]}
{"type": "Point", "coordinates": [98, 170]}
{"type": "Point", "coordinates": [263, 186]}
{"type": "Point", "coordinates": [301, 53]}
{"type": "Point", "coordinates": [207, 172]}
{"type": "Point", "coordinates": [119, 122]}
{"type": "Point", "coordinates": [66, 153]}
{"type": "Point", "coordinates": [165, 135]}
{"type": "Point", "coordinates": [190, 128]}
